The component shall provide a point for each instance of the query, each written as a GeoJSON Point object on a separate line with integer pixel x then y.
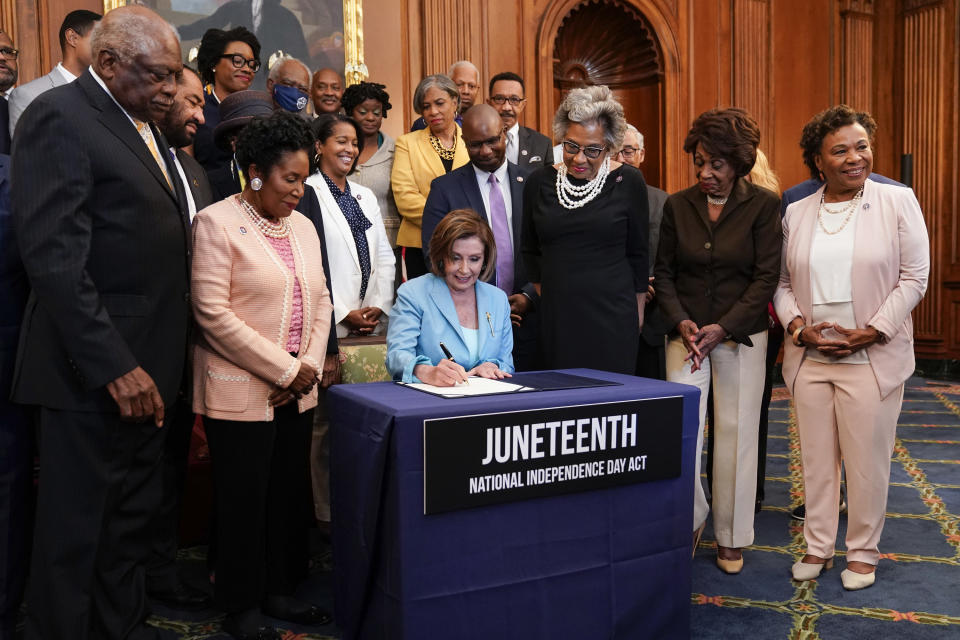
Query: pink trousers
{"type": "Point", "coordinates": [840, 415]}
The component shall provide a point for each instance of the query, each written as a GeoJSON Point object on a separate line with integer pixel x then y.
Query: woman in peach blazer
{"type": "Point", "coordinates": [855, 263]}
{"type": "Point", "coordinates": [422, 156]}
{"type": "Point", "coordinates": [263, 309]}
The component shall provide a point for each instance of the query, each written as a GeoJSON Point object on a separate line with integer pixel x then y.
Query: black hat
{"type": "Point", "coordinates": [237, 110]}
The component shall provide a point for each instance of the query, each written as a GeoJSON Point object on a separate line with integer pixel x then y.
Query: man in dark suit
{"type": "Point", "coordinates": [526, 148]}
{"type": "Point", "coordinates": [16, 442]}
{"type": "Point", "coordinates": [651, 360]}
{"type": "Point", "coordinates": [8, 78]}
{"type": "Point", "coordinates": [493, 187]}
{"type": "Point", "coordinates": [179, 127]}
{"type": "Point", "coordinates": [97, 208]}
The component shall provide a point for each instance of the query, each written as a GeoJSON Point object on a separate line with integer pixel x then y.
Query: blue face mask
{"type": "Point", "coordinates": [289, 98]}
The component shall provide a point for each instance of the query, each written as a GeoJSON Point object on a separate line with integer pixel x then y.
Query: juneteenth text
{"type": "Point", "coordinates": [560, 438]}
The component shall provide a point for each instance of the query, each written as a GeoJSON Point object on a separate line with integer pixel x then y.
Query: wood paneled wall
{"type": "Point", "coordinates": [782, 60]}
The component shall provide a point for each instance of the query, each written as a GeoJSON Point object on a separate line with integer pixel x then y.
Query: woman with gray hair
{"type": "Point", "coordinates": [420, 157]}
{"type": "Point", "coordinates": [585, 239]}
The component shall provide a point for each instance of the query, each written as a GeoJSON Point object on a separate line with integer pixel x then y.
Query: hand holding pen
{"type": "Point", "coordinates": [447, 373]}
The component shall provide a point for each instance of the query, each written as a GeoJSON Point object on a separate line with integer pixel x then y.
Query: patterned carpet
{"type": "Point", "coordinates": [917, 594]}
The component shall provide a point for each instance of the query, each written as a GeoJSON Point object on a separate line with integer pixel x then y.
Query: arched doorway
{"type": "Point", "coordinates": [610, 42]}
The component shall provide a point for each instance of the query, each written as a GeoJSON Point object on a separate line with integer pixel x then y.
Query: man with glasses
{"type": "Point", "coordinates": [493, 187]}
{"type": "Point", "coordinates": [8, 78]}
{"type": "Point", "coordinates": [75, 31]}
{"type": "Point", "coordinates": [651, 362]}
{"type": "Point", "coordinates": [105, 241]}
{"type": "Point", "coordinates": [525, 147]}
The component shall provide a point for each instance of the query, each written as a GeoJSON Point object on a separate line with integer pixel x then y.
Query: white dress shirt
{"type": "Point", "coordinates": [504, 181]}
{"type": "Point", "coordinates": [63, 71]}
{"type": "Point", "coordinates": [513, 143]}
{"type": "Point", "coordinates": [191, 205]}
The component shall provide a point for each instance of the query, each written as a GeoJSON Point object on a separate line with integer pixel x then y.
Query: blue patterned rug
{"type": "Point", "coordinates": [917, 594]}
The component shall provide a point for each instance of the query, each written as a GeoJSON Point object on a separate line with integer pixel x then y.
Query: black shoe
{"type": "Point", "coordinates": [249, 626]}
{"type": "Point", "coordinates": [800, 513]}
{"type": "Point", "coordinates": [293, 610]}
{"type": "Point", "coordinates": [182, 596]}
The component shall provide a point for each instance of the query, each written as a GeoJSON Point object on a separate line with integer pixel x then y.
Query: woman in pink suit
{"type": "Point", "coordinates": [855, 263]}
{"type": "Point", "coordinates": [262, 305]}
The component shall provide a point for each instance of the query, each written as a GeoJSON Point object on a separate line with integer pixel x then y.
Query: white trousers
{"type": "Point", "coordinates": [737, 372]}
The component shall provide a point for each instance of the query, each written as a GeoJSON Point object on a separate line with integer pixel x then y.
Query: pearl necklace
{"type": "Point", "coordinates": [717, 202]}
{"type": "Point", "coordinates": [574, 197]}
{"type": "Point", "coordinates": [848, 209]}
{"type": "Point", "coordinates": [443, 152]}
{"type": "Point", "coordinates": [278, 230]}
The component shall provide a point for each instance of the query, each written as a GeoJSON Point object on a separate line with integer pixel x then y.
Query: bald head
{"type": "Point", "coordinates": [137, 54]}
{"type": "Point", "coordinates": [483, 136]}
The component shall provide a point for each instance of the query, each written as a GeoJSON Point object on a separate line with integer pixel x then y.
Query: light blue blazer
{"type": "Point", "coordinates": [424, 316]}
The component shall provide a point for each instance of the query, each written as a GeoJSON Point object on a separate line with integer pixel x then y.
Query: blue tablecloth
{"type": "Point", "coordinates": [612, 563]}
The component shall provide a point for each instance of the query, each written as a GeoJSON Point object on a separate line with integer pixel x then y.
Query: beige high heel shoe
{"type": "Point", "coordinates": [803, 571]}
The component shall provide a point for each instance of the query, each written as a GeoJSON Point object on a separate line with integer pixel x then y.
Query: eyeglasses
{"type": "Point", "coordinates": [628, 152]}
{"type": "Point", "coordinates": [9, 53]}
{"type": "Point", "coordinates": [514, 101]}
{"type": "Point", "coordinates": [476, 145]}
{"type": "Point", "coordinates": [591, 152]}
{"type": "Point", "coordinates": [238, 61]}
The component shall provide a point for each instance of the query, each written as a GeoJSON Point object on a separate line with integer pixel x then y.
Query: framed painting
{"type": "Point", "coordinates": [321, 33]}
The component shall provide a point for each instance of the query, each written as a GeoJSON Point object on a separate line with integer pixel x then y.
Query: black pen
{"type": "Point", "coordinates": [446, 352]}
{"type": "Point", "coordinates": [449, 355]}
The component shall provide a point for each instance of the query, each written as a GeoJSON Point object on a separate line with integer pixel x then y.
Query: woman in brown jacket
{"type": "Point", "coordinates": [717, 268]}
{"type": "Point", "coordinates": [263, 309]}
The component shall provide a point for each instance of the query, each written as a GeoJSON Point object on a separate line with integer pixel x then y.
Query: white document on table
{"type": "Point", "coordinates": [476, 387]}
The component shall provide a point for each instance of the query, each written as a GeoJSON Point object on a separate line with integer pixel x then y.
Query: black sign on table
{"type": "Point", "coordinates": [477, 460]}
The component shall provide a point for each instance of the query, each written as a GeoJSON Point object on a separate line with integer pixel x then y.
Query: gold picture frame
{"type": "Point", "coordinates": [354, 69]}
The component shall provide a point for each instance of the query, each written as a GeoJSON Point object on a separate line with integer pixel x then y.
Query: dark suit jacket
{"type": "Point", "coordinates": [536, 150]}
{"type": "Point", "coordinates": [106, 246]}
{"type": "Point", "coordinates": [310, 207]}
{"type": "Point", "coordinates": [197, 180]}
{"type": "Point", "coordinates": [725, 272]}
{"type": "Point", "coordinates": [13, 284]}
{"type": "Point", "coordinates": [459, 190]}
{"type": "Point", "coordinates": [206, 152]}
{"type": "Point", "coordinates": [4, 127]}
{"type": "Point", "coordinates": [654, 325]}
{"type": "Point", "coordinates": [224, 181]}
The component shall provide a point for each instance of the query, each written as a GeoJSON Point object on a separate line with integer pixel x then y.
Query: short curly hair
{"type": "Point", "coordinates": [731, 134]}
{"type": "Point", "coordinates": [825, 123]}
{"type": "Point", "coordinates": [358, 93]}
{"type": "Point", "coordinates": [456, 225]}
{"type": "Point", "coordinates": [214, 43]}
{"type": "Point", "coordinates": [592, 104]}
{"type": "Point", "coordinates": [268, 138]}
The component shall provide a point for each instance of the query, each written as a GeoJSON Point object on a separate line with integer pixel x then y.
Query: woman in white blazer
{"type": "Point", "coordinates": [361, 259]}
{"type": "Point", "coordinates": [855, 262]}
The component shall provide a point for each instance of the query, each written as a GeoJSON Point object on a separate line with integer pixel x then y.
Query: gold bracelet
{"type": "Point", "coordinates": [796, 335]}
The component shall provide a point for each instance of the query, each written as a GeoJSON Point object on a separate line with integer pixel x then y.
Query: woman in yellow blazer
{"type": "Point", "coordinates": [422, 156]}
{"type": "Point", "coordinates": [263, 309]}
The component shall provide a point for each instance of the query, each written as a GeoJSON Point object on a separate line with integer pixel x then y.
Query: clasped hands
{"type": "Point", "coordinates": [699, 341]}
{"type": "Point", "coordinates": [448, 373]}
{"type": "Point", "coordinates": [300, 386]}
{"type": "Point", "coordinates": [363, 321]}
{"type": "Point", "coordinates": [849, 341]}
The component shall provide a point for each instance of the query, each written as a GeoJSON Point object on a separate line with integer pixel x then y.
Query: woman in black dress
{"type": "Point", "coordinates": [585, 239]}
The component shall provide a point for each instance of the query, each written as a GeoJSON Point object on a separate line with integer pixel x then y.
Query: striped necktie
{"type": "Point", "coordinates": [144, 130]}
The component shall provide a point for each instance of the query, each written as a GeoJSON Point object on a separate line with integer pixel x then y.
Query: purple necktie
{"type": "Point", "coordinates": [501, 234]}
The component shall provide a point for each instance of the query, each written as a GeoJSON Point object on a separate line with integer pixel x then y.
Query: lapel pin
{"type": "Point", "coordinates": [357, 196]}
{"type": "Point", "coordinates": [866, 205]}
{"type": "Point", "coordinates": [523, 152]}
{"type": "Point", "coordinates": [243, 230]}
{"type": "Point", "coordinates": [195, 183]}
{"type": "Point", "coordinates": [519, 178]}
{"type": "Point", "coordinates": [619, 178]}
